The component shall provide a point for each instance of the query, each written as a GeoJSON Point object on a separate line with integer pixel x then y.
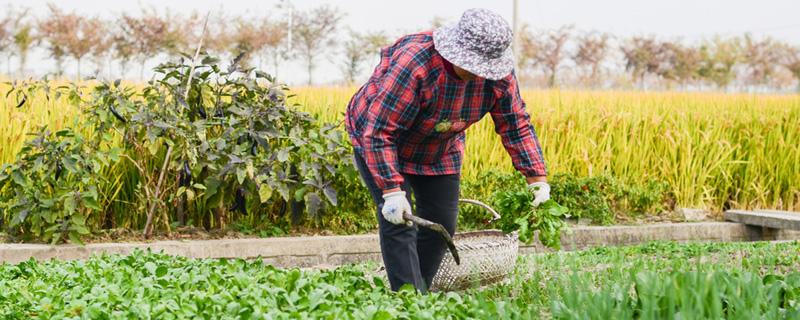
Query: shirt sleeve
{"type": "Point", "coordinates": [392, 109]}
{"type": "Point", "coordinates": [519, 138]}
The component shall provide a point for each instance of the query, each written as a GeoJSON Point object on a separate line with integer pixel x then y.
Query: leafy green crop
{"type": "Point", "coordinates": [519, 215]}
{"type": "Point", "coordinates": [198, 143]}
{"type": "Point", "coordinates": [653, 281]}
{"type": "Point", "coordinates": [51, 189]}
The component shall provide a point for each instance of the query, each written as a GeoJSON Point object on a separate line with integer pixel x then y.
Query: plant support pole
{"type": "Point", "coordinates": [148, 227]}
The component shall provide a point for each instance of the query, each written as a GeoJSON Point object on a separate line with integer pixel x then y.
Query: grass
{"type": "Point", "coordinates": [652, 281]}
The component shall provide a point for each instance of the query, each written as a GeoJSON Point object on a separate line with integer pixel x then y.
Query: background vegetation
{"type": "Point", "coordinates": [614, 157]}
{"type": "Point", "coordinates": [233, 151]}
{"type": "Point", "coordinates": [562, 57]}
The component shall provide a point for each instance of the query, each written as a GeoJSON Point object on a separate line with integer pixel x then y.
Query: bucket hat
{"type": "Point", "coordinates": [480, 42]}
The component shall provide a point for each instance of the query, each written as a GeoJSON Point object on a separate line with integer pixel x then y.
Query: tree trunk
{"type": "Point", "coordinates": [141, 69]}
{"type": "Point", "coordinates": [594, 79]}
{"type": "Point", "coordinates": [78, 76]}
{"type": "Point", "coordinates": [310, 63]}
{"type": "Point", "coordinates": [275, 62]}
{"type": "Point", "coordinates": [23, 58]}
{"type": "Point", "coordinates": [59, 66]}
{"type": "Point", "coordinates": [8, 65]}
{"type": "Point", "coordinates": [108, 66]}
{"type": "Point", "coordinates": [123, 68]}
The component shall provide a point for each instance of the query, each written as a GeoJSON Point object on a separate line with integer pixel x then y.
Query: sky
{"type": "Point", "coordinates": [690, 20]}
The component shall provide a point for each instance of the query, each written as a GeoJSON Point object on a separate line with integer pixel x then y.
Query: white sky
{"type": "Point", "coordinates": [686, 19]}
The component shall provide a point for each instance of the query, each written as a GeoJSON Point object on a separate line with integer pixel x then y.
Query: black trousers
{"type": "Point", "coordinates": [412, 255]}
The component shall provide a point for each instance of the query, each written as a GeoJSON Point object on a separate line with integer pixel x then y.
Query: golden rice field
{"type": "Point", "coordinates": [712, 148]}
{"type": "Point", "coordinates": [709, 146]}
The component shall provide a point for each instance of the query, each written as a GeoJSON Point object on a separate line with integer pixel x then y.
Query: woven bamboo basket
{"type": "Point", "coordinates": [487, 257]}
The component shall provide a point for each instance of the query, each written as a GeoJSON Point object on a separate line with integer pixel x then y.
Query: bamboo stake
{"type": "Point", "coordinates": [148, 227]}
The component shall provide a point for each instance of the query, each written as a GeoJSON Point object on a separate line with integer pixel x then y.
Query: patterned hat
{"type": "Point", "coordinates": [480, 43]}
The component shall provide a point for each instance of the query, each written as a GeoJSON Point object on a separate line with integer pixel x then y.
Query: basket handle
{"type": "Point", "coordinates": [485, 206]}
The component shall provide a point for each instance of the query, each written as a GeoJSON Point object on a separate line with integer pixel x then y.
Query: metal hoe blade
{"type": "Point", "coordinates": [438, 228]}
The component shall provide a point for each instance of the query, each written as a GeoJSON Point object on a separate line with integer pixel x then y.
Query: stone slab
{"type": "Point", "coordinates": [766, 218]}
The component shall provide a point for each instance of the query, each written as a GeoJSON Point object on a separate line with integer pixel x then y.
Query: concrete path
{"type": "Point", "coordinates": [766, 218]}
{"type": "Point", "coordinates": [326, 251]}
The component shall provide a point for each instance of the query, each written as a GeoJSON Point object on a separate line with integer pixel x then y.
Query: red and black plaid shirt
{"type": "Point", "coordinates": [411, 115]}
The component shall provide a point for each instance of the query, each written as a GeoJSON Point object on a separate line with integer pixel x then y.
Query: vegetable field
{"type": "Point", "coordinates": [653, 281]}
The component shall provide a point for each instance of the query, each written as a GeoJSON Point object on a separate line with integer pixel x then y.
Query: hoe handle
{"type": "Point", "coordinates": [438, 228]}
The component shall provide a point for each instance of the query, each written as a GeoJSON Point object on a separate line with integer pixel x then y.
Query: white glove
{"type": "Point", "coordinates": [394, 205]}
{"type": "Point", "coordinates": [541, 192]}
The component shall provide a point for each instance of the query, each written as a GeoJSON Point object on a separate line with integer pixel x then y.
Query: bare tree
{"type": "Point", "coordinates": [760, 57]}
{"type": "Point", "coordinates": [218, 35]}
{"type": "Point", "coordinates": [357, 49]}
{"type": "Point", "coordinates": [71, 34]}
{"type": "Point", "coordinates": [146, 35]}
{"type": "Point", "coordinates": [791, 62]}
{"type": "Point", "coordinates": [23, 36]}
{"type": "Point", "coordinates": [273, 33]}
{"type": "Point", "coordinates": [718, 58]}
{"type": "Point", "coordinates": [122, 49]}
{"type": "Point", "coordinates": [551, 52]}
{"type": "Point", "coordinates": [593, 49]}
{"type": "Point", "coordinates": [641, 57]}
{"type": "Point", "coordinates": [102, 50]}
{"type": "Point", "coordinates": [247, 40]}
{"type": "Point", "coordinates": [528, 50]}
{"type": "Point", "coordinates": [678, 62]}
{"type": "Point", "coordinates": [6, 39]}
{"type": "Point", "coordinates": [53, 30]}
{"type": "Point", "coordinates": [314, 30]}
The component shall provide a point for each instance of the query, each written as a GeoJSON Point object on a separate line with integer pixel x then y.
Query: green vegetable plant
{"type": "Point", "coordinates": [51, 189]}
{"type": "Point", "coordinates": [519, 215]}
{"type": "Point", "coordinates": [200, 142]}
{"type": "Point", "coordinates": [228, 143]}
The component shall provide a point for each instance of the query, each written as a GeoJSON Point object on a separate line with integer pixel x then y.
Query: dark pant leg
{"type": "Point", "coordinates": [436, 199]}
{"type": "Point", "coordinates": [398, 242]}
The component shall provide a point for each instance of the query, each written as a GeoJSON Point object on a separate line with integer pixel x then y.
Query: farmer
{"type": "Point", "coordinates": [407, 128]}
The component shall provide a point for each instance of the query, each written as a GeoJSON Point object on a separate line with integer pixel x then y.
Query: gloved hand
{"type": "Point", "coordinates": [541, 192]}
{"type": "Point", "coordinates": [394, 205]}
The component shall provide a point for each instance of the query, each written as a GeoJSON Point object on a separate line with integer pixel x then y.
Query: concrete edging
{"type": "Point", "coordinates": [337, 250]}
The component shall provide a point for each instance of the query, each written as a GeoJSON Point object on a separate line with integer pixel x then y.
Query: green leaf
{"type": "Point", "coordinates": [283, 154]}
{"type": "Point", "coordinates": [161, 271]}
{"type": "Point", "coordinates": [264, 192]}
{"type": "Point", "coordinates": [91, 203]}
{"type": "Point", "coordinates": [75, 237]}
{"type": "Point", "coordinates": [330, 193]}
{"type": "Point", "coordinates": [150, 267]}
{"type": "Point", "coordinates": [18, 178]}
{"type": "Point", "coordinates": [70, 204]}
{"type": "Point", "coordinates": [209, 60]}
{"type": "Point", "coordinates": [299, 194]}
{"type": "Point", "coordinates": [241, 174]}
{"type": "Point", "coordinates": [313, 203]}
{"type": "Point", "coordinates": [212, 185]}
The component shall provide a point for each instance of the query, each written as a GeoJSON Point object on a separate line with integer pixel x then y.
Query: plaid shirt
{"type": "Point", "coordinates": [411, 115]}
